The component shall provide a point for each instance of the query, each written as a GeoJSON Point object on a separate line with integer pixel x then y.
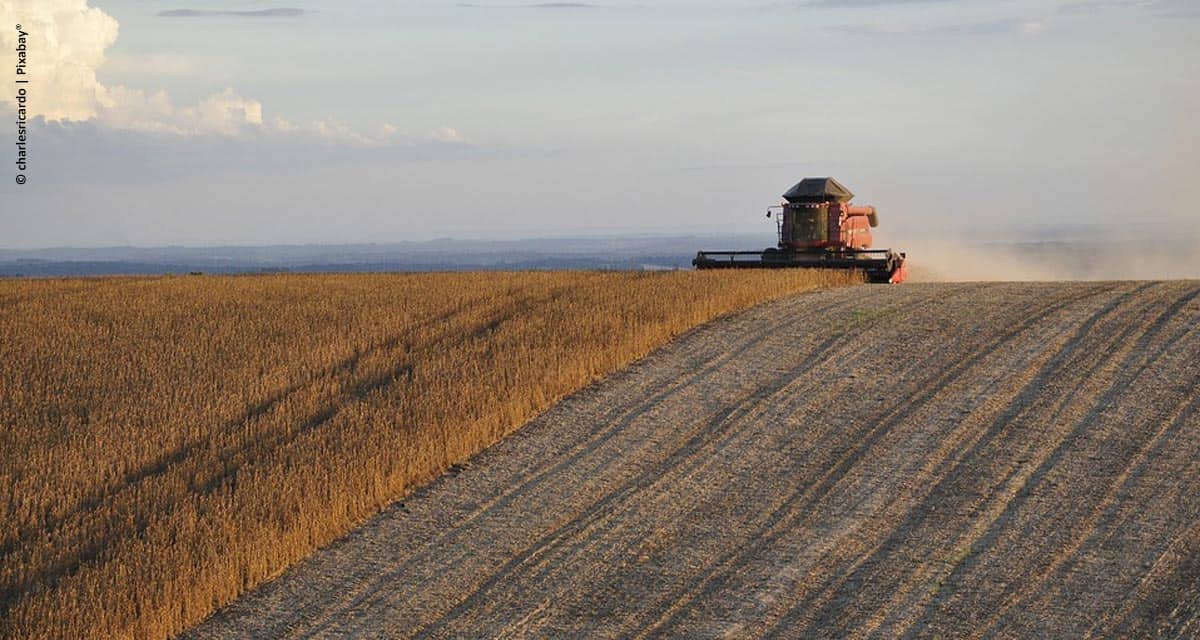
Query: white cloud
{"type": "Point", "coordinates": [447, 134]}
{"type": "Point", "coordinates": [224, 113]}
{"type": "Point", "coordinates": [67, 40]}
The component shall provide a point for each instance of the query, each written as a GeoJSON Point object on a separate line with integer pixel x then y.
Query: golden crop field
{"type": "Point", "coordinates": [168, 443]}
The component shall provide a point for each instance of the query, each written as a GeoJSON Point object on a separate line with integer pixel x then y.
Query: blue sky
{"type": "Point", "coordinates": [375, 121]}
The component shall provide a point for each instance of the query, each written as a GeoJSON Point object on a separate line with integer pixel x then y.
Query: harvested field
{"type": "Point", "coordinates": [934, 460]}
{"type": "Point", "coordinates": [168, 443]}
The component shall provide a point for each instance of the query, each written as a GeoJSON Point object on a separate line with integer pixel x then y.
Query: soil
{"type": "Point", "coordinates": [915, 461]}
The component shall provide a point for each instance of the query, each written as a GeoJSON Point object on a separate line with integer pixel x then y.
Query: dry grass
{"type": "Point", "coordinates": [166, 444]}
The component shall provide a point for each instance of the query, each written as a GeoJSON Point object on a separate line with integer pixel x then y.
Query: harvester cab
{"type": "Point", "coordinates": [818, 229]}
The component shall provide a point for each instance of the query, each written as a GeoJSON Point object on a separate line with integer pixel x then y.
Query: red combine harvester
{"type": "Point", "coordinates": [818, 229]}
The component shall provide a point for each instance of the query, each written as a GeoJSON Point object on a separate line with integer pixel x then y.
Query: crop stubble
{"type": "Point", "coordinates": [973, 460]}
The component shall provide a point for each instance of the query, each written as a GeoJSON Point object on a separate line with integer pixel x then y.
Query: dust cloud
{"type": "Point", "coordinates": [1133, 259]}
{"type": "Point", "coordinates": [1149, 233]}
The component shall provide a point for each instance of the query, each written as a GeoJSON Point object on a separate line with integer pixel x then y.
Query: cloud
{"type": "Point", "coordinates": [92, 153]}
{"type": "Point", "coordinates": [1163, 8]}
{"type": "Point", "coordinates": [70, 39]}
{"type": "Point", "coordinates": [1092, 6]}
{"type": "Point", "coordinates": [447, 135]}
{"type": "Point", "coordinates": [224, 113]}
{"type": "Point", "coordinates": [863, 3]}
{"type": "Point", "coordinates": [1011, 26]}
{"type": "Point", "coordinates": [282, 12]}
{"type": "Point", "coordinates": [537, 5]}
{"type": "Point", "coordinates": [228, 114]}
{"type": "Point", "coordinates": [1176, 8]}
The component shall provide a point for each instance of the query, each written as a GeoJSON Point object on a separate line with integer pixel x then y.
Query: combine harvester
{"type": "Point", "coordinates": [818, 229]}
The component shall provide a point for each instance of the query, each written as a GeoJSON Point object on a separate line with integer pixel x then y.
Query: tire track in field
{"type": "Point", "coordinates": [682, 461]}
{"type": "Point", "coordinates": [810, 403]}
{"type": "Point", "coordinates": [807, 469]}
{"type": "Point", "coordinates": [889, 416]}
{"type": "Point", "coordinates": [1104, 532]}
{"type": "Point", "coordinates": [587, 518]}
{"type": "Point", "coordinates": [1071, 441]}
{"type": "Point", "coordinates": [950, 471]}
{"type": "Point", "coordinates": [615, 419]}
{"type": "Point", "coordinates": [1173, 611]}
{"type": "Point", "coordinates": [697, 372]}
{"type": "Point", "coordinates": [782, 521]}
{"type": "Point", "coordinates": [1102, 515]}
{"type": "Point", "coordinates": [1067, 431]}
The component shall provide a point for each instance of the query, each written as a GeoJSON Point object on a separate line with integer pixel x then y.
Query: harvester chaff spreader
{"type": "Point", "coordinates": [818, 229]}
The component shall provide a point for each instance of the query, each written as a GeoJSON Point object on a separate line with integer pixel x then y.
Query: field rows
{"type": "Point", "coordinates": [1006, 460]}
{"type": "Point", "coordinates": [168, 443]}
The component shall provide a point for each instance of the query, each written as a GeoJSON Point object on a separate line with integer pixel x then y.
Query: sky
{"type": "Point", "coordinates": [248, 122]}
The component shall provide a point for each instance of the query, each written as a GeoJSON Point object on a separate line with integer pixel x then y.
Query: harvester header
{"type": "Point", "coordinates": [818, 229]}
